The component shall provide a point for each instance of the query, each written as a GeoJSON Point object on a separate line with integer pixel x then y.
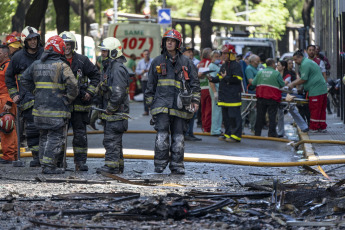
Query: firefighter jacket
{"type": "Point", "coordinates": [165, 84]}
{"type": "Point", "coordinates": [114, 89]}
{"type": "Point", "coordinates": [88, 78]}
{"type": "Point", "coordinates": [52, 82]}
{"type": "Point", "coordinates": [230, 86]}
{"type": "Point", "coordinates": [20, 61]}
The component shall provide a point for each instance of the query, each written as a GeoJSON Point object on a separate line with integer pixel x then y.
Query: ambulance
{"type": "Point", "coordinates": [137, 37]}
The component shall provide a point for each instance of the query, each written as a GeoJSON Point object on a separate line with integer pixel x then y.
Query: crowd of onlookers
{"type": "Point", "coordinates": [303, 76]}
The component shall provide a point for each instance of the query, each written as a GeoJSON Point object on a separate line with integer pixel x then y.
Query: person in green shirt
{"type": "Point", "coordinates": [315, 84]}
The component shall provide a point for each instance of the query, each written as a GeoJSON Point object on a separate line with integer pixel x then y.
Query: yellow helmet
{"type": "Point", "coordinates": [113, 45]}
{"type": "Point", "coordinates": [69, 37]}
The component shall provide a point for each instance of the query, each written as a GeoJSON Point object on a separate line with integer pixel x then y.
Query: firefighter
{"type": "Point", "coordinates": [88, 78]}
{"type": "Point", "coordinates": [22, 59]}
{"type": "Point", "coordinates": [8, 137]}
{"type": "Point", "coordinates": [173, 94]}
{"type": "Point", "coordinates": [114, 89]}
{"type": "Point", "coordinates": [230, 79]}
{"type": "Point", "coordinates": [14, 44]}
{"type": "Point", "coordinates": [55, 87]}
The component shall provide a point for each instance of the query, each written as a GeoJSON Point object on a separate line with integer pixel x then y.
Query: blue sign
{"type": "Point", "coordinates": [164, 16]}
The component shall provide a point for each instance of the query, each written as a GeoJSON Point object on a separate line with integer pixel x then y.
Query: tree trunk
{"type": "Point", "coordinates": [206, 24]}
{"type": "Point", "coordinates": [89, 6]}
{"type": "Point", "coordinates": [62, 15]}
{"type": "Point", "coordinates": [306, 11]}
{"type": "Point", "coordinates": [138, 6]}
{"type": "Point", "coordinates": [19, 18]}
{"type": "Point", "coordinates": [90, 15]}
{"type": "Point", "coordinates": [35, 13]}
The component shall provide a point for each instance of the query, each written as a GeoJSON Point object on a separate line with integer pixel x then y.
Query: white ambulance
{"type": "Point", "coordinates": [136, 37]}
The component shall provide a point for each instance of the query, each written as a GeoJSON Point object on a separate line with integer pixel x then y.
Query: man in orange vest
{"type": "Point", "coordinates": [8, 140]}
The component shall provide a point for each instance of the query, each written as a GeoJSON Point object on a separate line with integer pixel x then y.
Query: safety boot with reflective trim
{"type": "Point", "coordinates": [108, 170]}
{"type": "Point", "coordinates": [52, 170]}
{"type": "Point", "coordinates": [81, 166]}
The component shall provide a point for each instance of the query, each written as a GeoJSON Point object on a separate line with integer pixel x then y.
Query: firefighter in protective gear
{"type": "Point", "coordinates": [114, 89]}
{"type": "Point", "coordinates": [173, 94]}
{"type": "Point", "coordinates": [88, 78]}
{"type": "Point", "coordinates": [19, 63]}
{"type": "Point", "coordinates": [55, 87]}
{"type": "Point", "coordinates": [14, 44]}
{"type": "Point", "coordinates": [8, 139]}
{"type": "Point", "coordinates": [230, 88]}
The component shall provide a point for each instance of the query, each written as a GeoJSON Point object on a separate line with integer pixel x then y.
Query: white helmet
{"type": "Point", "coordinates": [69, 37]}
{"type": "Point", "coordinates": [28, 33]}
{"type": "Point", "coordinates": [113, 45]}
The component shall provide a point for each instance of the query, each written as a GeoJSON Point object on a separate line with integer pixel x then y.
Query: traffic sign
{"type": "Point", "coordinates": [164, 16]}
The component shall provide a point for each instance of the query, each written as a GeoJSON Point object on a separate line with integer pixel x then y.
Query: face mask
{"type": "Point", "coordinates": [217, 61]}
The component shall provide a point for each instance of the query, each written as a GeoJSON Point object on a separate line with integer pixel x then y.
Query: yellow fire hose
{"type": "Point", "coordinates": [220, 159]}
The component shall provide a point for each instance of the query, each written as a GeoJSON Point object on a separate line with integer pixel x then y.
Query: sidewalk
{"type": "Point", "coordinates": [336, 131]}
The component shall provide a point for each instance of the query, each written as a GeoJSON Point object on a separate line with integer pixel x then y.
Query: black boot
{"type": "Point", "coordinates": [81, 166]}
{"type": "Point", "coordinates": [52, 170]}
{"type": "Point", "coordinates": [35, 163]}
{"type": "Point", "coordinates": [108, 170]}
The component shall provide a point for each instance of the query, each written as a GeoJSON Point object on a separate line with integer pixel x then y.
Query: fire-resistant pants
{"type": "Point", "coordinates": [79, 121]}
{"type": "Point", "coordinates": [51, 145]}
{"type": "Point", "coordinates": [317, 108]}
{"type": "Point", "coordinates": [9, 142]}
{"type": "Point", "coordinates": [232, 122]}
{"type": "Point", "coordinates": [113, 132]}
{"type": "Point", "coordinates": [177, 126]}
{"type": "Point", "coordinates": [206, 110]}
{"type": "Point", "coordinates": [263, 106]}
{"type": "Point", "coordinates": [32, 133]}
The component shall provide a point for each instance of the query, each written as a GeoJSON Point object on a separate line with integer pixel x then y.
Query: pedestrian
{"type": "Point", "coordinates": [142, 70]}
{"type": "Point", "coordinates": [282, 67]}
{"type": "Point", "coordinates": [20, 61]}
{"type": "Point", "coordinates": [268, 83]}
{"type": "Point", "coordinates": [217, 119]}
{"type": "Point", "coordinates": [315, 84]}
{"type": "Point", "coordinates": [250, 73]}
{"type": "Point", "coordinates": [132, 65]}
{"type": "Point", "coordinates": [189, 134]}
{"type": "Point", "coordinates": [116, 104]}
{"type": "Point", "coordinates": [205, 104]}
{"type": "Point", "coordinates": [55, 87]}
{"type": "Point", "coordinates": [230, 88]}
{"type": "Point", "coordinates": [173, 94]}
{"type": "Point", "coordinates": [88, 78]}
{"type": "Point", "coordinates": [291, 70]}
{"type": "Point", "coordinates": [7, 107]}
{"type": "Point", "coordinates": [312, 56]}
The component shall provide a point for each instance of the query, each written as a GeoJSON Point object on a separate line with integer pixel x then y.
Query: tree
{"type": "Point", "coordinates": [19, 18]}
{"type": "Point", "coordinates": [306, 12]}
{"type": "Point", "coordinates": [36, 13]}
{"type": "Point", "coordinates": [206, 24]}
{"type": "Point", "coordinates": [272, 15]}
{"type": "Point", "coordinates": [62, 15]}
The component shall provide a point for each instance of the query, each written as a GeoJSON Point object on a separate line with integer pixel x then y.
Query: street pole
{"type": "Point", "coordinates": [247, 8]}
{"type": "Point", "coordinates": [82, 26]}
{"type": "Point", "coordinates": [164, 4]}
{"type": "Point", "coordinates": [115, 11]}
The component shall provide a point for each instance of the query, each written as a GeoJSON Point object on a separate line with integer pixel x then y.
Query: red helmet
{"type": "Point", "coordinates": [227, 48]}
{"type": "Point", "coordinates": [56, 44]}
{"type": "Point", "coordinates": [6, 122]}
{"type": "Point", "coordinates": [172, 34]}
{"type": "Point", "coordinates": [11, 39]}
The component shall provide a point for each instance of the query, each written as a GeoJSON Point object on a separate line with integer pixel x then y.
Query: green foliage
{"type": "Point", "coordinates": [272, 15]}
{"type": "Point", "coordinates": [8, 9]}
{"type": "Point", "coordinates": [295, 10]}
